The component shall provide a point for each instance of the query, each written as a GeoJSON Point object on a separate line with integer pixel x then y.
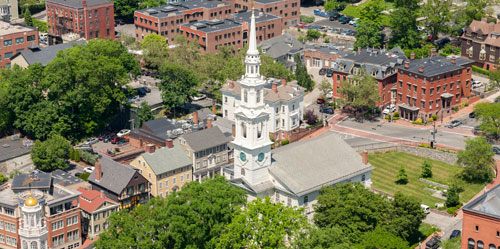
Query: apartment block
{"type": "Point", "coordinates": [288, 10]}
{"type": "Point", "coordinates": [86, 19]}
{"type": "Point", "coordinates": [14, 39]}
{"type": "Point", "coordinates": [481, 42]}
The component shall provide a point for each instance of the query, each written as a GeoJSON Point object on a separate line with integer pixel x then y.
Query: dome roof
{"type": "Point", "coordinates": [30, 202]}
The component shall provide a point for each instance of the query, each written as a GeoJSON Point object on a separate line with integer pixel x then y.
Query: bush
{"type": "Point", "coordinates": [455, 108]}
{"type": "Point", "coordinates": [418, 122]}
{"type": "Point", "coordinates": [426, 169]}
{"type": "Point", "coordinates": [285, 142]}
{"type": "Point", "coordinates": [480, 70]}
{"type": "Point", "coordinates": [271, 137]}
{"type": "Point", "coordinates": [310, 117]}
{"type": "Point", "coordinates": [84, 176]}
{"type": "Point", "coordinates": [466, 104]}
{"type": "Point", "coordinates": [40, 25]}
{"type": "Point", "coordinates": [307, 19]}
{"type": "Point", "coordinates": [434, 117]}
{"type": "Point", "coordinates": [396, 115]}
{"type": "Point", "coordinates": [313, 34]}
{"type": "Point", "coordinates": [88, 157]}
{"type": "Point", "coordinates": [425, 146]}
{"type": "Point", "coordinates": [452, 210]}
{"type": "Point", "coordinates": [16, 172]}
{"type": "Point", "coordinates": [402, 177]}
{"type": "Point", "coordinates": [3, 179]}
{"type": "Point", "coordinates": [77, 156]}
{"type": "Point", "coordinates": [327, 40]}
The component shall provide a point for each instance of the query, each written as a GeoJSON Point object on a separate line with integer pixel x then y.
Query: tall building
{"type": "Point", "coordinates": [294, 173]}
{"type": "Point", "coordinates": [15, 39]}
{"type": "Point", "coordinates": [481, 42]}
{"type": "Point", "coordinates": [88, 19]}
{"type": "Point", "coordinates": [288, 10]}
{"type": "Point", "coordinates": [32, 229]}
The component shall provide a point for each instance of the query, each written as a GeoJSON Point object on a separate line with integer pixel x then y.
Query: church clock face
{"type": "Point", "coordinates": [261, 157]}
{"type": "Point", "coordinates": [243, 156]}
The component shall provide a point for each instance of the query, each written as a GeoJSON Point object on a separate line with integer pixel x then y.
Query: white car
{"type": "Point", "coordinates": [353, 21]}
{"type": "Point", "coordinates": [329, 94]}
{"type": "Point", "coordinates": [202, 96]}
{"type": "Point", "coordinates": [91, 141]}
{"type": "Point", "coordinates": [390, 109]}
{"type": "Point", "coordinates": [476, 84]}
{"type": "Point", "coordinates": [88, 169]}
{"type": "Point", "coordinates": [421, 28]}
{"type": "Point", "coordinates": [123, 133]}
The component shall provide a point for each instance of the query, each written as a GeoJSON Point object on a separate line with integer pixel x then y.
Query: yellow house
{"type": "Point", "coordinates": [167, 168]}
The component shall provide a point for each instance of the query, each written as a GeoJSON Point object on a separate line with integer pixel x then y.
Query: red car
{"type": "Point", "coordinates": [320, 101]}
{"type": "Point", "coordinates": [301, 25]}
{"type": "Point", "coordinates": [116, 139]}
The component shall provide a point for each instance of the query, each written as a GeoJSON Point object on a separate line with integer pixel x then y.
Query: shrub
{"type": "Point", "coordinates": [88, 157]}
{"type": "Point", "coordinates": [3, 179]}
{"type": "Point", "coordinates": [434, 117]}
{"type": "Point", "coordinates": [396, 114]}
{"type": "Point", "coordinates": [452, 210]}
{"type": "Point", "coordinates": [310, 117]}
{"type": "Point", "coordinates": [455, 108]}
{"type": "Point", "coordinates": [402, 177]}
{"type": "Point", "coordinates": [480, 70]}
{"type": "Point", "coordinates": [431, 119]}
{"type": "Point", "coordinates": [425, 146]}
{"type": "Point", "coordinates": [327, 40]}
{"type": "Point", "coordinates": [426, 169]}
{"type": "Point", "coordinates": [271, 137]}
{"type": "Point", "coordinates": [308, 19]}
{"type": "Point", "coordinates": [77, 156]}
{"type": "Point", "coordinates": [452, 198]}
{"type": "Point", "coordinates": [466, 104]}
{"type": "Point", "coordinates": [395, 118]}
{"type": "Point", "coordinates": [418, 122]}
{"type": "Point", "coordinates": [84, 176]}
{"type": "Point", "coordinates": [285, 142]}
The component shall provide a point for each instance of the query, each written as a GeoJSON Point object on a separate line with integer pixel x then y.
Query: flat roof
{"type": "Point", "coordinates": [178, 8]}
{"type": "Point", "coordinates": [260, 16]}
{"type": "Point", "coordinates": [210, 26]}
{"type": "Point", "coordinates": [7, 28]}
{"type": "Point", "coordinates": [78, 3]}
{"type": "Point", "coordinates": [10, 148]}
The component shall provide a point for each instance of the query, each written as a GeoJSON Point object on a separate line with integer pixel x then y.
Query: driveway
{"type": "Point", "coordinates": [333, 24]}
{"type": "Point", "coordinates": [311, 97]}
{"type": "Point", "coordinates": [443, 222]}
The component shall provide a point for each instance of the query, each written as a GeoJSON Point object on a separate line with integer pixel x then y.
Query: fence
{"type": "Point", "coordinates": [302, 132]}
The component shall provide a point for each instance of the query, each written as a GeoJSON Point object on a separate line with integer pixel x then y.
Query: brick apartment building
{"type": "Point", "coordinates": [322, 55]}
{"type": "Point", "coordinates": [57, 224]}
{"type": "Point", "coordinates": [86, 18]}
{"type": "Point", "coordinates": [380, 64]}
{"type": "Point", "coordinates": [481, 222]}
{"type": "Point", "coordinates": [15, 38]}
{"type": "Point", "coordinates": [481, 43]}
{"type": "Point", "coordinates": [432, 85]}
{"type": "Point", "coordinates": [288, 10]}
{"type": "Point", "coordinates": [211, 34]}
{"type": "Point", "coordinates": [167, 20]}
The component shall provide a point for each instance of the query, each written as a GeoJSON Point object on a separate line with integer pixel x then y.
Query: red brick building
{"type": "Point", "coordinates": [215, 33]}
{"type": "Point", "coordinates": [380, 64]}
{"type": "Point", "coordinates": [167, 20]}
{"type": "Point", "coordinates": [86, 18]}
{"type": "Point", "coordinates": [322, 55]}
{"type": "Point", "coordinates": [481, 43]}
{"type": "Point", "coordinates": [15, 38]}
{"type": "Point", "coordinates": [481, 221]}
{"type": "Point", "coordinates": [432, 85]}
{"type": "Point", "coordinates": [288, 10]}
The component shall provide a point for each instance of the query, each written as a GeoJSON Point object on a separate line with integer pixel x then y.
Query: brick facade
{"type": "Point", "coordinates": [15, 38]}
{"type": "Point", "coordinates": [481, 43]}
{"type": "Point", "coordinates": [288, 10]}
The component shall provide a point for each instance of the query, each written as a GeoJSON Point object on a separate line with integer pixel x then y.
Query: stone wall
{"type": "Point", "coordinates": [437, 155]}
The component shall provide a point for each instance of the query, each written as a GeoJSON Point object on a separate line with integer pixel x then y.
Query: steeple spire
{"type": "Point", "coordinates": [252, 46]}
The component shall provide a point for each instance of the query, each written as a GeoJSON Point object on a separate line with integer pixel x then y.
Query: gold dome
{"type": "Point", "coordinates": [30, 202]}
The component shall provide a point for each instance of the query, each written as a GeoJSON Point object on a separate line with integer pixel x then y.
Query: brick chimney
{"type": "Point", "coordinates": [365, 157]}
{"type": "Point", "coordinates": [231, 84]}
{"type": "Point", "coordinates": [283, 81]}
{"type": "Point", "coordinates": [98, 169]}
{"type": "Point", "coordinates": [421, 69]}
{"type": "Point", "coordinates": [275, 88]}
{"type": "Point", "coordinates": [407, 64]}
{"type": "Point", "coordinates": [169, 143]}
{"type": "Point", "coordinates": [433, 52]}
{"type": "Point", "coordinates": [453, 59]}
{"type": "Point", "coordinates": [214, 109]}
{"type": "Point", "coordinates": [233, 130]}
{"type": "Point", "coordinates": [209, 123]}
{"type": "Point", "coordinates": [84, 3]}
{"type": "Point", "coordinates": [150, 148]}
{"type": "Point", "coordinates": [195, 117]}
{"type": "Point", "coordinates": [389, 54]}
{"type": "Point", "coordinates": [412, 56]}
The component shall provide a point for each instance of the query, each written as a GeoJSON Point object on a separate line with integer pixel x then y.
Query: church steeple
{"type": "Point", "coordinates": [252, 59]}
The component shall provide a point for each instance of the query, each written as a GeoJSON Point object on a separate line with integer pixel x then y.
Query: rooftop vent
{"type": "Point", "coordinates": [152, 11]}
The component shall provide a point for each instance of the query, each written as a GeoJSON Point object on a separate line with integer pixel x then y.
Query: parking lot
{"type": "Point", "coordinates": [333, 24]}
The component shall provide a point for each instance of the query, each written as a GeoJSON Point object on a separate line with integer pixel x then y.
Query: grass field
{"type": "Point", "coordinates": [387, 166]}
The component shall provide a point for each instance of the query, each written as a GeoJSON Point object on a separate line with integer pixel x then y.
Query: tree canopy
{"type": "Point", "coordinates": [303, 78]}
{"type": "Point", "coordinates": [360, 91]}
{"type": "Point", "coordinates": [178, 84]}
{"type": "Point", "coordinates": [368, 35]}
{"type": "Point", "coordinates": [404, 24]}
{"type": "Point", "coordinates": [489, 115]}
{"type": "Point", "coordinates": [477, 159]}
{"type": "Point", "coordinates": [144, 113]}
{"type": "Point", "coordinates": [51, 154]}
{"type": "Point", "coordinates": [155, 50]}
{"type": "Point", "coordinates": [438, 13]}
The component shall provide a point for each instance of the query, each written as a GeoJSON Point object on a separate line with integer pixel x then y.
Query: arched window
{"type": "Point", "coordinates": [471, 244]}
{"type": "Point", "coordinates": [245, 96]}
{"type": "Point", "coordinates": [243, 129]}
{"type": "Point", "coordinates": [480, 244]}
{"type": "Point", "coordinates": [242, 171]}
{"type": "Point", "coordinates": [33, 245]}
{"type": "Point", "coordinates": [492, 246]}
{"type": "Point", "coordinates": [32, 220]}
{"type": "Point", "coordinates": [259, 130]}
{"type": "Point", "coordinates": [25, 245]}
{"type": "Point", "coordinates": [251, 69]}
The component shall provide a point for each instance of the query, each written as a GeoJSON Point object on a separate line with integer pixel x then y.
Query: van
{"type": "Point", "coordinates": [426, 208]}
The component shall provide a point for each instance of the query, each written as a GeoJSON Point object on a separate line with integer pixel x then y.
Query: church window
{"type": "Point", "coordinates": [245, 96]}
{"type": "Point", "coordinates": [258, 96]}
{"type": "Point", "coordinates": [277, 197]}
{"type": "Point", "coordinates": [244, 130]}
{"type": "Point", "coordinates": [306, 199]}
{"type": "Point", "coordinates": [251, 69]}
{"type": "Point", "coordinates": [259, 130]}
{"type": "Point", "coordinates": [34, 245]}
{"type": "Point", "coordinates": [242, 171]}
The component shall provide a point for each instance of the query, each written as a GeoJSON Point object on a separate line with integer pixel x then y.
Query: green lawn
{"type": "Point", "coordinates": [387, 166]}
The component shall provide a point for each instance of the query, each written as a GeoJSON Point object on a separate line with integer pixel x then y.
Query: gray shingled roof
{"type": "Point", "coordinates": [64, 178]}
{"type": "Point", "coordinates": [40, 180]}
{"type": "Point", "coordinates": [115, 176]}
{"type": "Point", "coordinates": [302, 173]}
{"type": "Point", "coordinates": [78, 3]}
{"type": "Point", "coordinates": [167, 159]}
{"type": "Point", "coordinates": [435, 65]}
{"type": "Point", "coordinates": [45, 55]}
{"type": "Point", "coordinates": [10, 149]}
{"type": "Point", "coordinates": [204, 139]}
{"type": "Point", "coordinates": [486, 204]}
{"type": "Point", "coordinates": [281, 45]}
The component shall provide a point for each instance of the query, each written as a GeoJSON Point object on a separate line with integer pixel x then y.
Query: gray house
{"type": "Point", "coordinates": [283, 48]}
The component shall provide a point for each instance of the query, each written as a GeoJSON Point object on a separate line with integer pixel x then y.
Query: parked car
{"type": "Point", "coordinates": [334, 16]}
{"type": "Point", "coordinates": [200, 97]}
{"type": "Point", "coordinates": [141, 92]}
{"type": "Point", "coordinates": [108, 138]}
{"type": "Point", "coordinates": [320, 101]}
{"type": "Point", "coordinates": [390, 109]}
{"type": "Point", "coordinates": [322, 71]}
{"type": "Point", "coordinates": [433, 243]}
{"type": "Point", "coordinates": [496, 150]}
{"type": "Point", "coordinates": [91, 141]}
{"type": "Point", "coordinates": [123, 141]}
{"type": "Point", "coordinates": [443, 41]}
{"type": "Point", "coordinates": [454, 123]}
{"type": "Point", "coordinates": [88, 169]}
{"type": "Point", "coordinates": [123, 133]}
{"type": "Point", "coordinates": [327, 110]}
{"type": "Point", "coordinates": [116, 139]}
{"type": "Point", "coordinates": [83, 147]}
{"type": "Point", "coordinates": [301, 25]}
{"type": "Point", "coordinates": [455, 233]}
{"type": "Point", "coordinates": [329, 95]}
{"type": "Point", "coordinates": [346, 20]}
{"type": "Point", "coordinates": [472, 115]}
{"type": "Point", "coordinates": [353, 21]}
{"type": "Point", "coordinates": [329, 73]}
{"type": "Point", "coordinates": [426, 208]}
{"type": "Point", "coordinates": [476, 84]}
{"type": "Point", "coordinates": [147, 89]}
{"type": "Point", "coordinates": [341, 19]}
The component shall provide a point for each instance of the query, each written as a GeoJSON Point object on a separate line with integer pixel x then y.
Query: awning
{"type": "Point", "coordinates": [408, 107]}
{"type": "Point", "coordinates": [446, 95]}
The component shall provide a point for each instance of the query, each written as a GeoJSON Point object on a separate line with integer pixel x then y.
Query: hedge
{"type": "Point", "coordinates": [480, 70]}
{"type": "Point", "coordinates": [34, 8]}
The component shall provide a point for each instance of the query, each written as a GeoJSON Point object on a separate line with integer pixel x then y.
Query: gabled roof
{"type": "Point", "coordinates": [204, 139]}
{"type": "Point", "coordinates": [115, 176]}
{"type": "Point", "coordinates": [167, 159]}
{"type": "Point", "coordinates": [435, 65]}
{"type": "Point", "coordinates": [281, 45]}
{"type": "Point", "coordinates": [486, 204]}
{"type": "Point", "coordinates": [335, 161]}
{"type": "Point", "coordinates": [91, 200]}
{"type": "Point", "coordinates": [285, 92]}
{"type": "Point", "coordinates": [45, 55]}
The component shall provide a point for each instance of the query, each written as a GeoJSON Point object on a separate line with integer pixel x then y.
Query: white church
{"type": "Point", "coordinates": [292, 174]}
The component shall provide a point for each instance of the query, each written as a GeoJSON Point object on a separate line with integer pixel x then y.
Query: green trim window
{"type": "Point", "coordinates": [30, 38]}
{"type": "Point", "coordinates": [7, 42]}
{"type": "Point", "coordinates": [8, 55]}
{"type": "Point", "coordinates": [20, 40]}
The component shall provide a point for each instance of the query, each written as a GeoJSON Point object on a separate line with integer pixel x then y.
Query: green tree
{"type": "Point", "coordinates": [406, 216]}
{"type": "Point", "coordinates": [494, 77]}
{"type": "Point", "coordinates": [402, 177]}
{"type": "Point", "coordinates": [325, 86]}
{"type": "Point", "coordinates": [438, 13]}
{"type": "Point", "coordinates": [262, 224]}
{"type": "Point", "coordinates": [6, 114]}
{"type": "Point", "coordinates": [194, 217]}
{"type": "Point", "coordinates": [322, 238]}
{"type": "Point", "coordinates": [422, 52]}
{"type": "Point", "coordinates": [360, 91]}
{"type": "Point", "coordinates": [155, 50]}
{"type": "Point", "coordinates": [177, 85]}
{"type": "Point", "coordinates": [313, 34]}
{"type": "Point", "coordinates": [368, 35]}
{"type": "Point", "coordinates": [51, 154]}
{"type": "Point", "coordinates": [489, 115]}
{"type": "Point", "coordinates": [404, 24]}
{"type": "Point", "coordinates": [272, 69]}
{"type": "Point", "coordinates": [372, 11]}
{"type": "Point", "coordinates": [331, 5]}
{"type": "Point", "coordinates": [303, 78]}
{"type": "Point", "coordinates": [475, 10]}
{"type": "Point", "coordinates": [452, 198]}
{"type": "Point", "coordinates": [426, 169]}
{"type": "Point", "coordinates": [28, 19]}
{"type": "Point", "coordinates": [151, 3]}
{"type": "Point", "coordinates": [380, 238]}
{"type": "Point", "coordinates": [144, 113]}
{"type": "Point", "coordinates": [477, 159]}
{"type": "Point", "coordinates": [125, 8]}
